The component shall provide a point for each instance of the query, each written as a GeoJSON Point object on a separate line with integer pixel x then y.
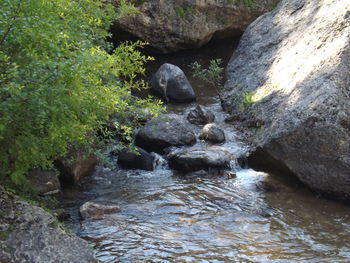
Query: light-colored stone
{"type": "Point", "coordinates": [92, 209]}
{"type": "Point", "coordinates": [294, 63]}
{"type": "Point", "coordinates": [212, 133]}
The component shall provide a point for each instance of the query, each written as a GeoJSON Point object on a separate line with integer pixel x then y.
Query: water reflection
{"type": "Point", "coordinates": [167, 218]}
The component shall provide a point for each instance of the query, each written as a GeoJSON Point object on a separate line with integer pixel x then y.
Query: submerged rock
{"type": "Point", "coordinates": [30, 234]}
{"type": "Point", "coordinates": [181, 24]}
{"type": "Point", "coordinates": [92, 209]}
{"type": "Point", "coordinates": [171, 84]}
{"type": "Point", "coordinates": [189, 160]}
{"type": "Point", "coordinates": [212, 133]}
{"type": "Point", "coordinates": [165, 131]}
{"type": "Point", "coordinates": [200, 115]}
{"type": "Point", "coordinates": [291, 70]}
{"type": "Point", "coordinates": [138, 159]}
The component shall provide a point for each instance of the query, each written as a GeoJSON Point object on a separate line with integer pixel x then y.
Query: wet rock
{"type": "Point", "coordinates": [294, 64]}
{"type": "Point", "coordinates": [46, 182]}
{"type": "Point", "coordinates": [212, 133]}
{"type": "Point", "coordinates": [93, 210]}
{"type": "Point", "coordinates": [165, 131]}
{"type": "Point", "coordinates": [137, 159]}
{"type": "Point", "coordinates": [30, 234]}
{"type": "Point", "coordinates": [75, 166]}
{"type": "Point", "coordinates": [171, 84]}
{"type": "Point", "coordinates": [174, 25]}
{"type": "Point", "coordinates": [200, 115]}
{"type": "Point", "coordinates": [189, 160]}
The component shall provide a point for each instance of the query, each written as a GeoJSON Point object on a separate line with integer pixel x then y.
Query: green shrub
{"type": "Point", "coordinates": [213, 74]}
{"type": "Point", "coordinates": [59, 79]}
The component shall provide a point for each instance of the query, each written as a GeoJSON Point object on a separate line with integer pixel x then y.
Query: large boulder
{"type": "Point", "coordinates": [165, 131]}
{"type": "Point", "coordinates": [171, 25]}
{"type": "Point", "coordinates": [30, 234]}
{"type": "Point", "coordinates": [171, 84]}
{"type": "Point", "coordinates": [189, 160]}
{"type": "Point", "coordinates": [290, 76]}
{"type": "Point", "coordinates": [136, 159]}
{"type": "Point", "coordinates": [200, 115]}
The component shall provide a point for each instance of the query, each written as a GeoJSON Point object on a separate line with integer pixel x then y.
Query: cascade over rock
{"type": "Point", "coordinates": [171, 25]}
{"type": "Point", "coordinates": [289, 79]}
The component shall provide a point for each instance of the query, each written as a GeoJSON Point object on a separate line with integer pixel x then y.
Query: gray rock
{"type": "Point", "coordinates": [189, 160]}
{"type": "Point", "coordinates": [212, 133]}
{"type": "Point", "coordinates": [164, 131]}
{"type": "Point", "coordinates": [90, 210]}
{"type": "Point", "coordinates": [171, 84]}
{"type": "Point", "coordinates": [136, 160]}
{"type": "Point", "coordinates": [44, 181]}
{"type": "Point", "coordinates": [174, 25]}
{"type": "Point", "coordinates": [30, 234]}
{"type": "Point", "coordinates": [291, 70]}
{"type": "Point", "coordinates": [200, 115]}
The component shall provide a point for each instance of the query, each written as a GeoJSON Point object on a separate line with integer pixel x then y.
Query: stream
{"type": "Point", "coordinates": [170, 217]}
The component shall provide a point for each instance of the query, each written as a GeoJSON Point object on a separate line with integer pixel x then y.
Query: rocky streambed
{"type": "Point", "coordinates": [224, 213]}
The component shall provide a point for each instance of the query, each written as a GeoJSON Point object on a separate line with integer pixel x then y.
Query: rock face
{"type": "Point", "coordinates": [171, 84]}
{"type": "Point", "coordinates": [132, 160]}
{"type": "Point", "coordinates": [212, 133]}
{"type": "Point", "coordinates": [75, 166]}
{"type": "Point", "coordinates": [189, 160]}
{"type": "Point", "coordinates": [200, 115]}
{"type": "Point", "coordinates": [93, 210]}
{"type": "Point", "coordinates": [164, 131]}
{"type": "Point", "coordinates": [290, 74]}
{"type": "Point", "coordinates": [171, 25]}
{"type": "Point", "coordinates": [29, 234]}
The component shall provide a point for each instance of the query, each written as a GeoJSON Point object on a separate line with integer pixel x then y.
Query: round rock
{"type": "Point", "coordinates": [165, 131]}
{"type": "Point", "coordinates": [212, 133]}
{"type": "Point", "coordinates": [171, 84]}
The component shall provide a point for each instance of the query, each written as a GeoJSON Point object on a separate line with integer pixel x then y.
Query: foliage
{"type": "Point", "coordinates": [249, 3]}
{"type": "Point", "coordinates": [184, 12]}
{"type": "Point", "coordinates": [60, 80]}
{"type": "Point", "coordinates": [242, 100]}
{"type": "Point", "coordinates": [213, 74]}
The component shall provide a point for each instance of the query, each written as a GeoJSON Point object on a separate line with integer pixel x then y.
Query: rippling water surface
{"type": "Point", "coordinates": [169, 217]}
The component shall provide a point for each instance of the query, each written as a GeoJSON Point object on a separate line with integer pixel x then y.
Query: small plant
{"type": "Point", "coordinates": [246, 100]}
{"type": "Point", "coordinates": [212, 75]}
{"type": "Point", "coordinates": [250, 3]}
{"type": "Point", "coordinates": [243, 100]}
{"type": "Point", "coordinates": [184, 12]}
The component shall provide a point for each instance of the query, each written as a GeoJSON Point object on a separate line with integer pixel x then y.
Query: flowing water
{"type": "Point", "coordinates": [169, 217]}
